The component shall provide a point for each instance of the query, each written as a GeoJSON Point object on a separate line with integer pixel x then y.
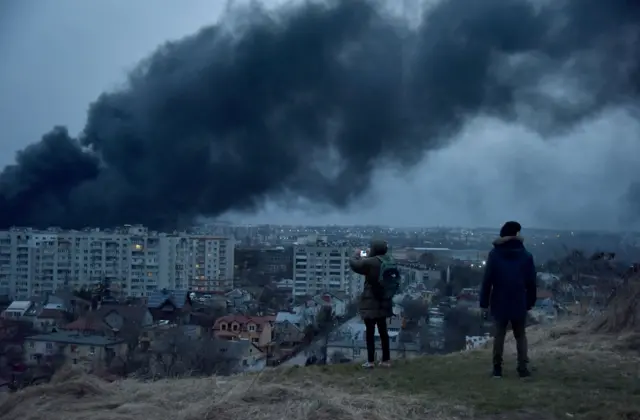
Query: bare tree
{"type": "Point", "coordinates": [173, 353]}
{"type": "Point", "coordinates": [415, 311]}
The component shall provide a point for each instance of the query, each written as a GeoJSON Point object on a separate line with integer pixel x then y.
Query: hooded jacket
{"type": "Point", "coordinates": [509, 284]}
{"type": "Point", "coordinates": [369, 306]}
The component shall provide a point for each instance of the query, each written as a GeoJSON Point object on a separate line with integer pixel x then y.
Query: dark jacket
{"type": "Point", "coordinates": [371, 307]}
{"type": "Point", "coordinates": [509, 284]}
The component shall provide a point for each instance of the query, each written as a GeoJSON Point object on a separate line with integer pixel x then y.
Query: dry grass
{"type": "Point", "coordinates": [74, 395]}
{"type": "Point", "coordinates": [577, 374]}
{"type": "Point", "coordinates": [623, 313]}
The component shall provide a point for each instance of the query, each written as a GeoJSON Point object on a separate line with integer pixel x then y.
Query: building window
{"type": "Point", "coordinates": [252, 327]}
{"type": "Point", "coordinates": [234, 327]}
{"type": "Point", "coordinates": [92, 350]}
{"type": "Point", "coordinates": [32, 344]}
{"type": "Point", "coordinates": [356, 352]}
{"type": "Point", "coordinates": [49, 346]}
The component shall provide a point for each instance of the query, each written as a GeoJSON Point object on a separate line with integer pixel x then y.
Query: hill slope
{"type": "Point", "coordinates": [576, 376]}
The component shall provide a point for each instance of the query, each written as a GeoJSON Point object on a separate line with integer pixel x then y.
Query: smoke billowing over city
{"type": "Point", "coordinates": [310, 101]}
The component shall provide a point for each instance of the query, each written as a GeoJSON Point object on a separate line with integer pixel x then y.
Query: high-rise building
{"type": "Point", "coordinates": [200, 263]}
{"type": "Point", "coordinates": [131, 259]}
{"type": "Point", "coordinates": [320, 266]}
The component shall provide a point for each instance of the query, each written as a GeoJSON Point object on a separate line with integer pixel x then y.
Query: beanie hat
{"type": "Point", "coordinates": [510, 229]}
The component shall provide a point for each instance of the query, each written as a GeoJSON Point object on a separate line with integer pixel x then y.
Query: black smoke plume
{"type": "Point", "coordinates": [309, 100]}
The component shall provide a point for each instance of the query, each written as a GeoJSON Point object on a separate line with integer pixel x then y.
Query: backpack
{"type": "Point", "coordinates": [389, 277]}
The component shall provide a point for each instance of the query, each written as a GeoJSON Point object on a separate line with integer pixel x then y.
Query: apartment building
{"type": "Point", "coordinates": [199, 263]}
{"type": "Point", "coordinates": [133, 260]}
{"type": "Point", "coordinates": [417, 273]}
{"type": "Point", "coordinates": [320, 266]}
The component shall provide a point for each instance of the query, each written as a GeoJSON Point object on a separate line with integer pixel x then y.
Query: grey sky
{"type": "Point", "coordinates": [494, 171]}
{"type": "Point", "coordinates": [86, 47]}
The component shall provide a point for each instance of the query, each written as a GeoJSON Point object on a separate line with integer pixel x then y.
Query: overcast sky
{"type": "Point", "coordinates": [58, 55]}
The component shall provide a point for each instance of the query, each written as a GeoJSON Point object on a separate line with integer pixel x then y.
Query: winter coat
{"type": "Point", "coordinates": [509, 284]}
{"type": "Point", "coordinates": [370, 307]}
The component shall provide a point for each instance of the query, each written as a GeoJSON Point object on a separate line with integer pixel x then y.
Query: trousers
{"type": "Point", "coordinates": [519, 333]}
{"type": "Point", "coordinates": [370, 335]}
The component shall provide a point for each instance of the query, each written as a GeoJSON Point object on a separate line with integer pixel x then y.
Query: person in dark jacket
{"type": "Point", "coordinates": [509, 290]}
{"type": "Point", "coordinates": [373, 309]}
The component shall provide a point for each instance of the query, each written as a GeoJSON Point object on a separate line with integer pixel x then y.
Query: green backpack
{"type": "Point", "coordinates": [389, 277]}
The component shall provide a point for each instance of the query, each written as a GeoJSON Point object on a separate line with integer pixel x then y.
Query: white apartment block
{"type": "Point", "coordinates": [200, 263]}
{"type": "Point", "coordinates": [134, 260]}
{"type": "Point", "coordinates": [319, 266]}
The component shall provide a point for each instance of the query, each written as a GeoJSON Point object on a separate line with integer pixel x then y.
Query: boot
{"type": "Point", "coordinates": [497, 371]}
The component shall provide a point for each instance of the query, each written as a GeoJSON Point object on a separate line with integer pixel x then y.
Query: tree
{"type": "Point", "coordinates": [414, 311]}
{"type": "Point", "coordinates": [461, 277]}
{"type": "Point", "coordinates": [459, 323]}
{"type": "Point", "coordinates": [325, 322]}
{"type": "Point", "coordinates": [324, 319]}
{"type": "Point", "coordinates": [173, 353]}
{"type": "Point", "coordinates": [83, 293]}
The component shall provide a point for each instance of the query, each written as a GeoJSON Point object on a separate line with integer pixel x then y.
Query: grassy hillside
{"type": "Point", "coordinates": [576, 376]}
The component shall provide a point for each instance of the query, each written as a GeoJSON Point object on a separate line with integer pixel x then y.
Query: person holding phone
{"type": "Point", "coordinates": [375, 306]}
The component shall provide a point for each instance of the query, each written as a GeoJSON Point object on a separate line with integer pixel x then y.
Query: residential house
{"type": "Point", "coordinates": [356, 350]}
{"type": "Point", "coordinates": [248, 355]}
{"type": "Point", "coordinates": [74, 304]}
{"type": "Point", "coordinates": [86, 348]}
{"type": "Point", "coordinates": [52, 317]}
{"type": "Point", "coordinates": [476, 341]}
{"type": "Point", "coordinates": [217, 354]}
{"type": "Point", "coordinates": [308, 310]}
{"type": "Point", "coordinates": [337, 301]}
{"type": "Point", "coordinates": [17, 309]}
{"type": "Point", "coordinates": [37, 303]}
{"type": "Point", "coordinates": [170, 305]}
{"type": "Point", "coordinates": [257, 329]}
{"type": "Point", "coordinates": [414, 273]}
{"type": "Point", "coordinates": [127, 322]}
{"type": "Point", "coordinates": [289, 329]}
{"type": "Point", "coordinates": [238, 298]}
{"type": "Point", "coordinates": [547, 279]}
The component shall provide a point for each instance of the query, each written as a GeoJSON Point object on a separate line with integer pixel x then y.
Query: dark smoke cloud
{"type": "Point", "coordinates": [308, 102]}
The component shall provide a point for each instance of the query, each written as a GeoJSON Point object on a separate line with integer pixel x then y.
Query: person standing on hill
{"type": "Point", "coordinates": [382, 281]}
{"type": "Point", "coordinates": [509, 290]}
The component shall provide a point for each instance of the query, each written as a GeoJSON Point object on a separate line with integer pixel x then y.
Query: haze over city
{"type": "Point", "coordinates": [262, 208]}
{"type": "Point", "coordinates": [561, 151]}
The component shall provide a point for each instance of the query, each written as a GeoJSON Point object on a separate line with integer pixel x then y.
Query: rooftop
{"type": "Point", "coordinates": [176, 297]}
{"type": "Point", "coordinates": [19, 305]}
{"type": "Point", "coordinates": [71, 337]}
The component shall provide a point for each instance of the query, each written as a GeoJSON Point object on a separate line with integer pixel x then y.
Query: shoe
{"type": "Point", "coordinates": [497, 371]}
{"type": "Point", "coordinates": [368, 365]}
{"type": "Point", "coordinates": [523, 372]}
{"type": "Point", "coordinates": [386, 364]}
